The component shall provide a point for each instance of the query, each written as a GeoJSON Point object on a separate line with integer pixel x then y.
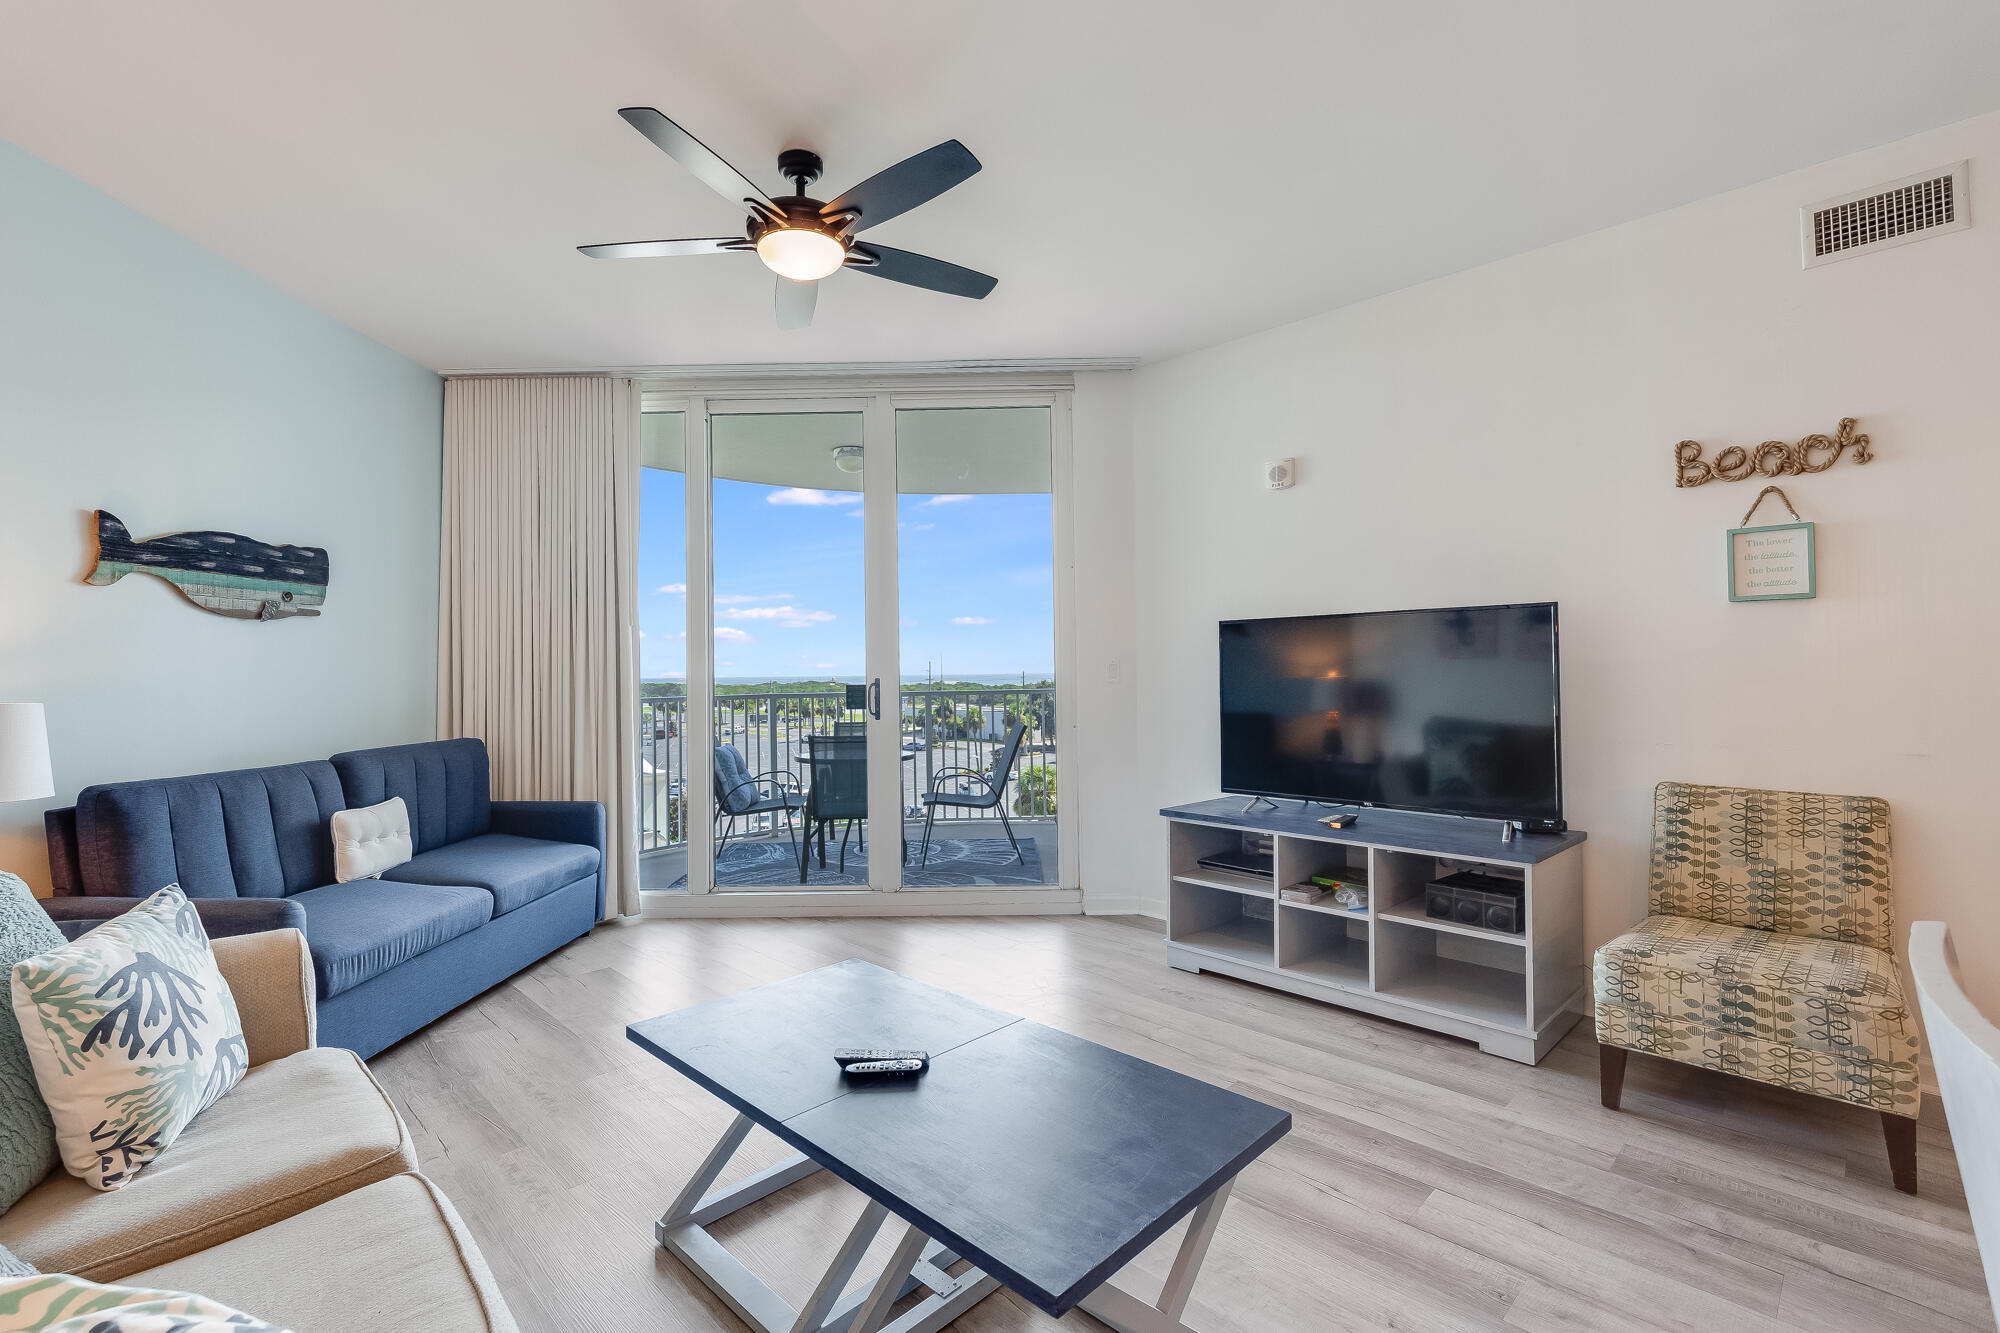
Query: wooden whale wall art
{"type": "Point", "coordinates": [222, 572]}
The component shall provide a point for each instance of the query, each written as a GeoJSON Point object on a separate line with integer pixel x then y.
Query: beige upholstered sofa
{"type": "Point", "coordinates": [295, 1198]}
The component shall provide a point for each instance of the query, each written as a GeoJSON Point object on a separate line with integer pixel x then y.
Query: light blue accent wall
{"type": "Point", "coordinates": [142, 374]}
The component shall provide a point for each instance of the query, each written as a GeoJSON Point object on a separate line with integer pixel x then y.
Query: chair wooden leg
{"type": "Point", "coordinates": [1901, 1133]}
{"type": "Point", "coordinates": [1610, 1075]}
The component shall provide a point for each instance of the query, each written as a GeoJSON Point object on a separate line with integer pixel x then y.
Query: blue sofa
{"type": "Point", "coordinates": [492, 885]}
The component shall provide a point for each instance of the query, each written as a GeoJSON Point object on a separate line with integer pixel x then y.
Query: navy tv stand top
{"type": "Point", "coordinates": [1450, 836]}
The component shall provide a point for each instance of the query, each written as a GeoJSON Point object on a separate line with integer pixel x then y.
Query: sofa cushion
{"type": "Point", "coordinates": [392, 1256]}
{"type": "Point", "coordinates": [363, 928]}
{"type": "Point", "coordinates": [447, 786]}
{"type": "Point", "coordinates": [253, 833]}
{"type": "Point", "coordinates": [514, 870]}
{"type": "Point", "coordinates": [294, 1133]}
{"type": "Point", "coordinates": [1817, 1015]}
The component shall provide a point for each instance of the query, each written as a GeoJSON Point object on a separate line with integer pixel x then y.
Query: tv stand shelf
{"type": "Point", "coordinates": [1516, 995]}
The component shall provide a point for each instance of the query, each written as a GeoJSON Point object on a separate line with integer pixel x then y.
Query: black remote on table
{"type": "Point", "coordinates": [885, 1068]}
{"type": "Point", "coordinates": [852, 1055]}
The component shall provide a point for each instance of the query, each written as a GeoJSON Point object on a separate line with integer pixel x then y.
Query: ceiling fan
{"type": "Point", "coordinates": [803, 240]}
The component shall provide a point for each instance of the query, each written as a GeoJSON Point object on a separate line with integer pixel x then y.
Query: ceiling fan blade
{"type": "Point", "coordinates": [701, 160]}
{"type": "Point", "coordinates": [923, 271]}
{"type": "Point", "coordinates": [913, 181]}
{"type": "Point", "coordinates": [794, 302]}
{"type": "Point", "coordinates": [706, 245]}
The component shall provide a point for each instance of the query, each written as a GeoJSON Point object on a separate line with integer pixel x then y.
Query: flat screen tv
{"type": "Point", "coordinates": [1453, 712]}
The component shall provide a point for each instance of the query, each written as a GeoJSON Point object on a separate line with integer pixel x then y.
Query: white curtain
{"type": "Point", "coordinates": [538, 603]}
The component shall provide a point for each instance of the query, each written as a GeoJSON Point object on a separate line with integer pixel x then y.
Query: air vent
{"type": "Point", "coordinates": [1881, 216]}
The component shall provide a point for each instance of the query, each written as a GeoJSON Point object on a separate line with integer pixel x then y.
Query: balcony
{"type": "Point", "coordinates": [949, 728]}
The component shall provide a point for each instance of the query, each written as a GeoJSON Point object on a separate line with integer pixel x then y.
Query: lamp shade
{"type": "Point", "coordinates": [24, 753]}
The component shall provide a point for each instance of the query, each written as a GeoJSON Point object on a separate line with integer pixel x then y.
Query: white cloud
{"type": "Point", "coordinates": [744, 598]}
{"type": "Point", "coordinates": [918, 527]}
{"type": "Point", "coordinates": [791, 617]}
{"type": "Point", "coordinates": [732, 634]}
{"type": "Point", "coordinates": [946, 499]}
{"type": "Point", "coordinates": [970, 620]}
{"type": "Point", "coordinates": [800, 495]}
{"type": "Point", "coordinates": [642, 634]}
{"type": "Point", "coordinates": [823, 666]}
{"type": "Point", "coordinates": [675, 588]}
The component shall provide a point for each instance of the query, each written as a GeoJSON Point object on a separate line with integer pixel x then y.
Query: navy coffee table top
{"type": "Point", "coordinates": [1046, 1160]}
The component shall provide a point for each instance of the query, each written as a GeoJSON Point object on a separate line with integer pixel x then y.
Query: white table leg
{"type": "Point", "coordinates": [890, 1286]}
{"type": "Point", "coordinates": [682, 1231]}
{"type": "Point", "coordinates": [684, 1204]}
{"type": "Point", "coordinates": [1128, 1314]}
{"type": "Point", "coordinates": [834, 1284]}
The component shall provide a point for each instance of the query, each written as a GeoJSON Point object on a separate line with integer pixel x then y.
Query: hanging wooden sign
{"type": "Point", "coordinates": [1773, 563]}
{"type": "Point", "coordinates": [1772, 458]}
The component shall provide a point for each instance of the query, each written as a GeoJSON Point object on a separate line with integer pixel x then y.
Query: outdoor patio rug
{"type": "Point", "coordinates": [954, 863]}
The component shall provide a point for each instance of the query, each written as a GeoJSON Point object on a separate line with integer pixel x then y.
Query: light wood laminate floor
{"type": "Point", "coordinates": [1424, 1185]}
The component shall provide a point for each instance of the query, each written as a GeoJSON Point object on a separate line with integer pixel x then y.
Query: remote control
{"type": "Point", "coordinates": [885, 1068]}
{"type": "Point", "coordinates": [850, 1055]}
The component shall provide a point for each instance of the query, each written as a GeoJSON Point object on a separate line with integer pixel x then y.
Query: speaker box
{"type": "Point", "coordinates": [1470, 898]}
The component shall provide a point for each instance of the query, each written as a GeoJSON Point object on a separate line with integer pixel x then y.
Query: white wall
{"type": "Point", "coordinates": [141, 374]}
{"type": "Point", "coordinates": [1098, 801]}
{"type": "Point", "coordinates": [1506, 434]}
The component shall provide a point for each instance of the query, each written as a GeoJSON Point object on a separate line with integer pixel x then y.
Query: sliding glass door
{"type": "Point", "coordinates": [975, 526]}
{"type": "Point", "coordinates": [792, 676]}
{"type": "Point", "coordinates": [664, 797]}
{"type": "Point", "coordinates": [849, 646]}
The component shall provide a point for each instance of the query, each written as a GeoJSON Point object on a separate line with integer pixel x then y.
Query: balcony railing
{"type": "Point", "coordinates": [949, 728]}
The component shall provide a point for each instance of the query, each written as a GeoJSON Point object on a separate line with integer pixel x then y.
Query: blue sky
{"type": "Point", "coordinates": [977, 587]}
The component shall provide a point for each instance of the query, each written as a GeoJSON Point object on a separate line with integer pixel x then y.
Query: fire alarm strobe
{"type": "Point", "coordinates": [1279, 476]}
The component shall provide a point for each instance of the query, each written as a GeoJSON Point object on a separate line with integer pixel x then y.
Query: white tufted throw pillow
{"type": "Point", "coordinates": [370, 840]}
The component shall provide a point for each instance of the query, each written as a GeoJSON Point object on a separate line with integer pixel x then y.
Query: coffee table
{"type": "Point", "coordinates": [1045, 1161]}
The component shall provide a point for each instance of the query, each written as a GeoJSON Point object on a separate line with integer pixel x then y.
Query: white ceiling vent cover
{"type": "Point", "coordinates": [1926, 204]}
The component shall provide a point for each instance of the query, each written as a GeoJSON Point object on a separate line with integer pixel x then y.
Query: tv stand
{"type": "Point", "coordinates": [1255, 801]}
{"type": "Point", "coordinates": [1515, 995]}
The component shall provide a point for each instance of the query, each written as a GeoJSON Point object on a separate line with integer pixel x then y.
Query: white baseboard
{"type": "Point", "coordinates": [862, 902]}
{"type": "Point", "coordinates": [1095, 904]}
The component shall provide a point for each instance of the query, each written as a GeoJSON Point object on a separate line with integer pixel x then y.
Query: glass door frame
{"type": "Point", "coordinates": [878, 400]}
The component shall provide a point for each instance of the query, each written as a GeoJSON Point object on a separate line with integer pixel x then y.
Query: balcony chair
{"type": "Point", "coordinates": [739, 792]}
{"type": "Point", "coordinates": [1765, 954]}
{"type": "Point", "coordinates": [839, 792]}
{"type": "Point", "coordinates": [988, 788]}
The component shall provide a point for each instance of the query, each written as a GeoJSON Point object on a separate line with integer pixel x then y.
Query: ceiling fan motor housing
{"type": "Point", "coordinates": [802, 166]}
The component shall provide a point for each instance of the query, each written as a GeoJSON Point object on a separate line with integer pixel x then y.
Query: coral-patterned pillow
{"type": "Point", "coordinates": [60, 1303]}
{"type": "Point", "coordinates": [132, 1032]}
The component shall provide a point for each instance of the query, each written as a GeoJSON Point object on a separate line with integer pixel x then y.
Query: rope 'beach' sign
{"type": "Point", "coordinates": [1772, 458]}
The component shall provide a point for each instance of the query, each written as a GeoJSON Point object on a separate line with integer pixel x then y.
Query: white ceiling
{"type": "Point", "coordinates": [1159, 174]}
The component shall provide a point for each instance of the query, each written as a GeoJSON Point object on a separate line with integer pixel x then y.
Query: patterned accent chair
{"type": "Point", "coordinates": [1765, 954]}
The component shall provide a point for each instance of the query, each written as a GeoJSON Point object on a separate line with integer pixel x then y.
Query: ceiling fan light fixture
{"type": "Point", "coordinates": [800, 253]}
